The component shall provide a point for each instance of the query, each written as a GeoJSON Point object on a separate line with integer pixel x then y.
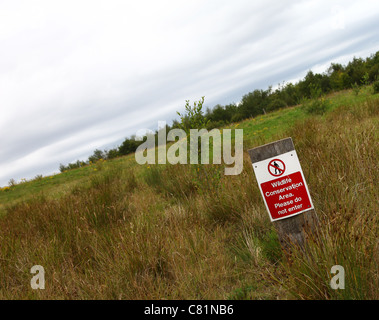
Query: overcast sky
{"type": "Point", "coordinates": [80, 75]}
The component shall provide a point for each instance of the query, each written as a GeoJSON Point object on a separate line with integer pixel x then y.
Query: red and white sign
{"type": "Point", "coordinates": [276, 167]}
{"type": "Point", "coordinates": [283, 187]}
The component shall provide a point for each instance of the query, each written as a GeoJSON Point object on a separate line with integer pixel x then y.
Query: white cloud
{"type": "Point", "coordinates": [79, 75]}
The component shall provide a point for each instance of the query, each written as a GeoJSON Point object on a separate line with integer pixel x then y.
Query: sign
{"type": "Point", "coordinates": [285, 192]}
{"type": "Point", "coordinates": [276, 167]}
{"type": "Point", "coordinates": [282, 184]}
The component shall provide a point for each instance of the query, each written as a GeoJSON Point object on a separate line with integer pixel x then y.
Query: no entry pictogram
{"type": "Point", "coordinates": [284, 191]}
{"type": "Point", "coordinates": [281, 180]}
{"type": "Point", "coordinates": [276, 167]}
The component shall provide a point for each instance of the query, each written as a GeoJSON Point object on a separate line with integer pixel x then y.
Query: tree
{"type": "Point", "coordinates": [129, 146]}
{"type": "Point", "coordinates": [112, 153]}
{"type": "Point", "coordinates": [356, 71]}
{"type": "Point", "coordinates": [193, 117]}
{"type": "Point", "coordinates": [254, 103]}
{"type": "Point", "coordinates": [97, 155]}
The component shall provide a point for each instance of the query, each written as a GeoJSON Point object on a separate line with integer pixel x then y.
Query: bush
{"type": "Point", "coordinates": [318, 106]}
{"type": "Point", "coordinates": [111, 154]}
{"type": "Point", "coordinates": [12, 182]}
{"type": "Point", "coordinates": [216, 124]}
{"type": "Point", "coordinates": [356, 88]}
{"type": "Point", "coordinates": [38, 177]}
{"type": "Point", "coordinates": [97, 155]}
{"type": "Point", "coordinates": [376, 87]}
{"type": "Point", "coordinates": [237, 117]}
{"type": "Point", "coordinates": [276, 104]}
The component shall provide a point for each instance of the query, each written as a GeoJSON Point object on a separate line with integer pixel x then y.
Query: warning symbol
{"type": "Point", "coordinates": [276, 167]}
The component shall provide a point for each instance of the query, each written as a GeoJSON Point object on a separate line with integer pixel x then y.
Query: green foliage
{"type": "Point", "coordinates": [174, 181]}
{"type": "Point", "coordinates": [237, 117]}
{"type": "Point", "coordinates": [71, 166]}
{"type": "Point", "coordinates": [316, 106]}
{"type": "Point", "coordinates": [355, 88]}
{"type": "Point", "coordinates": [113, 153]}
{"type": "Point", "coordinates": [374, 72]}
{"type": "Point", "coordinates": [358, 72]}
{"type": "Point", "coordinates": [193, 118]}
{"type": "Point", "coordinates": [129, 146]}
{"type": "Point", "coordinates": [270, 245]}
{"type": "Point", "coordinates": [315, 91]}
{"type": "Point", "coordinates": [12, 182]}
{"type": "Point", "coordinates": [244, 293]}
{"type": "Point", "coordinates": [376, 87]}
{"type": "Point", "coordinates": [366, 79]}
{"type": "Point", "coordinates": [276, 104]}
{"type": "Point", "coordinates": [110, 236]}
{"type": "Point", "coordinates": [254, 103]}
{"type": "Point", "coordinates": [153, 176]}
{"type": "Point", "coordinates": [97, 155]}
{"type": "Point", "coordinates": [216, 124]}
{"type": "Point", "coordinates": [38, 177]}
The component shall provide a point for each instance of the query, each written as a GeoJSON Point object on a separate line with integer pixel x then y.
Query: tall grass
{"type": "Point", "coordinates": [342, 170]}
{"type": "Point", "coordinates": [189, 232]}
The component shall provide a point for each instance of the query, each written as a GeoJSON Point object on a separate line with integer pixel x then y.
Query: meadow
{"type": "Point", "coordinates": [119, 230]}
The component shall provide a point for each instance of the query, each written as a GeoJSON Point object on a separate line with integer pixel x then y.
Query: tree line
{"type": "Point", "coordinates": [358, 72]}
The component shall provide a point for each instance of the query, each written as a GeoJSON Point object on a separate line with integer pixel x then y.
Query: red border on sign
{"type": "Point", "coordinates": [287, 198]}
{"type": "Point", "coordinates": [271, 165]}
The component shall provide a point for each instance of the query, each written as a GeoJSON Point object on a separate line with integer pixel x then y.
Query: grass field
{"type": "Point", "coordinates": [118, 230]}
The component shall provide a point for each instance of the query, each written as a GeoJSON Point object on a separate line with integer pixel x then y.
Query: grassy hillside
{"type": "Point", "coordinates": [118, 230]}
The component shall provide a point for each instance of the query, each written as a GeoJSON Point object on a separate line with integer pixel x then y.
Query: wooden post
{"type": "Point", "coordinates": [293, 230]}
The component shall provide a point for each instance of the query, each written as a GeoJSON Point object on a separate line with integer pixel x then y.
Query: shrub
{"type": "Point", "coordinates": [376, 87]}
{"type": "Point", "coordinates": [276, 104]}
{"type": "Point", "coordinates": [356, 88]}
{"type": "Point", "coordinates": [216, 124]}
{"type": "Point", "coordinates": [317, 106]}
{"type": "Point", "coordinates": [315, 91]}
{"type": "Point", "coordinates": [193, 117]}
{"type": "Point", "coordinates": [38, 177]}
{"type": "Point", "coordinates": [237, 117]}
{"type": "Point", "coordinates": [111, 154]}
{"type": "Point", "coordinates": [97, 155]}
{"type": "Point", "coordinates": [12, 182]}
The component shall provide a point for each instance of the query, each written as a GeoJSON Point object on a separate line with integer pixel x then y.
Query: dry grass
{"type": "Point", "coordinates": [343, 176]}
{"type": "Point", "coordinates": [188, 232]}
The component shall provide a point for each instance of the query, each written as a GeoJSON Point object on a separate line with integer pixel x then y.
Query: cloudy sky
{"type": "Point", "coordinates": [80, 75]}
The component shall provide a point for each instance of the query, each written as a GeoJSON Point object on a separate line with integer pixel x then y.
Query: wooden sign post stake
{"type": "Point", "coordinates": [284, 191]}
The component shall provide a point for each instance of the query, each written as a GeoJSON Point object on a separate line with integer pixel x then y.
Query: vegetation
{"type": "Point", "coordinates": [117, 230]}
{"type": "Point", "coordinates": [357, 74]}
{"type": "Point", "coordinates": [376, 87]}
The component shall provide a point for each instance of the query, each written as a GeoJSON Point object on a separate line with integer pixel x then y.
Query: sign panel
{"type": "Point", "coordinates": [283, 187]}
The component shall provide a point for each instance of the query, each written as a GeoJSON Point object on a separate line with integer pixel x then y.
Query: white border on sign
{"type": "Point", "coordinates": [292, 163]}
